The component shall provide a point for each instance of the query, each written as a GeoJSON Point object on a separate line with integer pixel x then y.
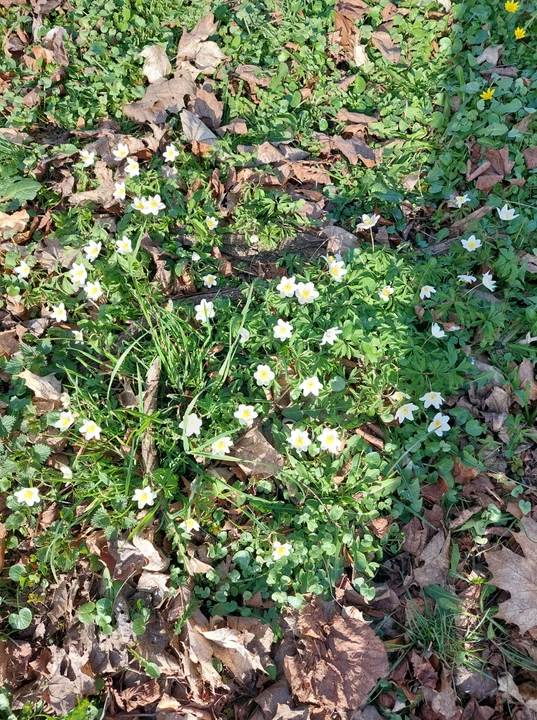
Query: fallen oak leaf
{"type": "Point", "coordinates": [517, 575]}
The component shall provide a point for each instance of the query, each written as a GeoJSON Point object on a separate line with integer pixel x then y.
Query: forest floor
{"type": "Point", "coordinates": [268, 323]}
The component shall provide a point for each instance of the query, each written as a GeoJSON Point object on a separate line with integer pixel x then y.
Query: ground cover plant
{"type": "Point", "coordinates": [267, 360]}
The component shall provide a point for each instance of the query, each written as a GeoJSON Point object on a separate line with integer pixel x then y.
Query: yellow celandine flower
{"type": "Point", "coordinates": [511, 6]}
{"type": "Point", "coordinates": [487, 94]}
{"type": "Point", "coordinates": [520, 33]}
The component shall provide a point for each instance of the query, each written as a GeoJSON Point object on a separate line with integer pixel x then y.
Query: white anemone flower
{"type": "Point", "coordinates": [92, 250]}
{"type": "Point", "coordinates": [471, 244]}
{"type": "Point", "coordinates": [311, 386]}
{"type": "Point", "coordinates": [426, 292]}
{"type": "Point", "coordinates": [210, 280]}
{"type": "Point", "coordinates": [204, 311]}
{"type": "Point", "coordinates": [506, 213]}
{"type": "Point", "coordinates": [222, 446]}
{"type": "Point", "coordinates": [121, 152]}
{"type": "Point", "coordinates": [263, 375]}
{"type": "Point", "coordinates": [368, 221]}
{"type": "Point", "coordinates": [405, 412]}
{"type": "Point", "coordinates": [280, 551]}
{"type": "Point", "coordinates": [286, 287]}
{"type": "Point", "coordinates": [27, 496]}
{"type": "Point", "coordinates": [124, 246]}
{"type": "Point", "coordinates": [299, 440]}
{"type": "Point", "coordinates": [488, 281]}
{"type": "Point", "coordinates": [306, 293]}
{"type": "Point", "coordinates": [22, 270]}
{"type": "Point", "coordinates": [144, 497]}
{"type": "Point", "coordinates": [331, 335]}
{"type": "Point", "coordinates": [193, 425]}
{"type": "Point", "coordinates": [59, 313]}
{"type": "Point", "coordinates": [282, 330]}
{"type": "Point", "coordinates": [245, 414]}
{"type": "Point", "coordinates": [90, 430]}
{"type": "Point", "coordinates": [439, 424]}
{"type": "Point", "coordinates": [329, 440]}
{"type": "Point", "coordinates": [432, 399]}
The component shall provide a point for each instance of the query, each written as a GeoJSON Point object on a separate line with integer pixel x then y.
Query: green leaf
{"type": "Point", "coordinates": [41, 452]}
{"type": "Point", "coordinates": [7, 423]}
{"type": "Point", "coordinates": [16, 572]}
{"type": "Point", "coordinates": [21, 189]}
{"type": "Point", "coordinates": [21, 620]}
{"type": "Point", "coordinates": [86, 613]}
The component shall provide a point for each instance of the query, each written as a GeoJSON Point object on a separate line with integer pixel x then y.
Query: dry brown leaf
{"type": "Point", "coordinates": [46, 387]}
{"type": "Point", "coordinates": [148, 452]}
{"type": "Point", "coordinates": [337, 662]}
{"type": "Point", "coordinates": [258, 457]}
{"type": "Point", "coordinates": [252, 75]}
{"type": "Point", "coordinates": [228, 646]}
{"type": "Point", "coordinates": [54, 42]}
{"type": "Point", "coordinates": [156, 561]}
{"type": "Point", "coordinates": [196, 130]}
{"type": "Point", "coordinates": [9, 343]}
{"type": "Point", "coordinates": [518, 576]}
{"type": "Point", "coordinates": [360, 54]}
{"type": "Point", "coordinates": [14, 223]}
{"type": "Point", "coordinates": [490, 55]}
{"type": "Point", "coordinates": [208, 57]}
{"type": "Point", "coordinates": [190, 41]}
{"type": "Point", "coordinates": [3, 534]}
{"type": "Point", "coordinates": [435, 557]}
{"type": "Point", "coordinates": [156, 65]}
{"type": "Point", "coordinates": [345, 29]}
{"type": "Point", "coordinates": [355, 150]}
{"type": "Point", "coordinates": [526, 377]}
{"type": "Point", "coordinates": [530, 157]}
{"type": "Point", "coordinates": [388, 49]}
{"type": "Point", "coordinates": [200, 653]}
{"type": "Point", "coordinates": [207, 107]}
{"type": "Point", "coordinates": [339, 239]}
{"type": "Point", "coordinates": [160, 98]}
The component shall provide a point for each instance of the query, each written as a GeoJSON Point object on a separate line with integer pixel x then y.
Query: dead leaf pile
{"type": "Point", "coordinates": [495, 168]}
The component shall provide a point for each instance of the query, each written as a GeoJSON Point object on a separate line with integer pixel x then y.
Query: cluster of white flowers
{"type": "Point", "coordinates": [439, 424]}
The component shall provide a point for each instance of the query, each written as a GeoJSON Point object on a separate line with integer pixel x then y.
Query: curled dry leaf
{"type": "Point", "coordinates": [490, 55]}
{"type": "Point", "coordinates": [54, 43]}
{"type": "Point", "coordinates": [148, 450]}
{"type": "Point", "coordinates": [258, 457]}
{"type": "Point", "coordinates": [161, 97]}
{"type": "Point", "coordinates": [338, 661]}
{"type": "Point", "coordinates": [13, 224]}
{"type": "Point", "coordinates": [517, 574]}
{"type": "Point", "coordinates": [47, 391]}
{"type": "Point", "coordinates": [196, 130]}
{"type": "Point", "coordinates": [526, 378]}
{"type": "Point", "coordinates": [156, 65]}
{"type": "Point", "coordinates": [388, 49]}
{"type": "Point", "coordinates": [435, 557]}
